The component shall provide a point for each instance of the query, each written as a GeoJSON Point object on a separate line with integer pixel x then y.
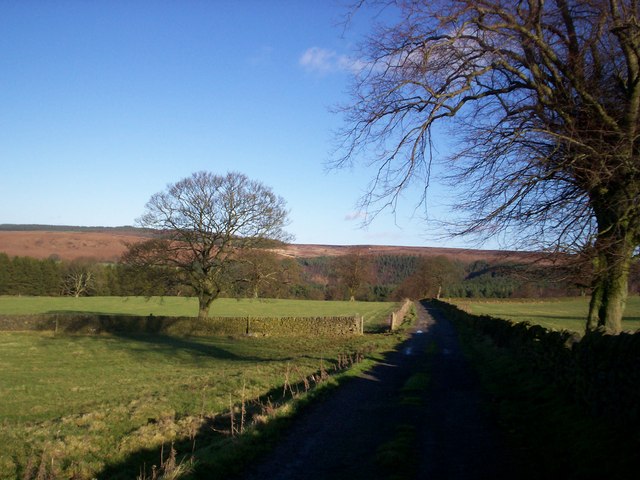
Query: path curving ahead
{"type": "Point", "coordinates": [343, 436]}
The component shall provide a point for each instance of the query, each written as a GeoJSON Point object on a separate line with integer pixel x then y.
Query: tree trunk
{"type": "Point", "coordinates": [204, 302]}
{"type": "Point", "coordinates": [597, 291]}
{"type": "Point", "coordinates": [616, 212]}
{"type": "Point", "coordinates": [593, 318]}
{"type": "Point", "coordinates": [203, 309]}
{"type": "Point", "coordinates": [611, 285]}
{"type": "Point", "coordinates": [616, 291]}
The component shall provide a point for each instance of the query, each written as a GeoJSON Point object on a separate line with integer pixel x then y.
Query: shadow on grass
{"type": "Point", "coordinates": [218, 453]}
{"type": "Point", "coordinates": [376, 328]}
{"type": "Point", "coordinates": [565, 322]}
{"type": "Point", "coordinates": [99, 322]}
{"type": "Point", "coordinates": [171, 345]}
{"type": "Point", "coordinates": [169, 334]}
{"type": "Point", "coordinates": [553, 432]}
{"type": "Point", "coordinates": [528, 316]}
{"type": "Point", "coordinates": [146, 330]}
{"type": "Point", "coordinates": [222, 444]}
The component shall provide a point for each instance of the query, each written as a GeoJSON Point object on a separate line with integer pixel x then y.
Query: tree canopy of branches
{"type": "Point", "coordinates": [78, 278]}
{"type": "Point", "coordinates": [203, 222]}
{"type": "Point", "coordinates": [354, 270]}
{"type": "Point", "coordinates": [544, 97]}
{"type": "Point", "coordinates": [432, 275]}
{"type": "Point", "coordinates": [261, 273]}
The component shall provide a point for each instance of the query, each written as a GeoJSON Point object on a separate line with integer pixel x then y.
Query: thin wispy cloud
{"type": "Point", "coordinates": [352, 216]}
{"type": "Point", "coordinates": [322, 60]}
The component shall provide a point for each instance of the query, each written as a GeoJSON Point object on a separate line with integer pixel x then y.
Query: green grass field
{"type": "Point", "coordinates": [375, 313]}
{"type": "Point", "coordinates": [76, 404]}
{"type": "Point", "coordinates": [182, 306]}
{"type": "Point", "coordinates": [564, 313]}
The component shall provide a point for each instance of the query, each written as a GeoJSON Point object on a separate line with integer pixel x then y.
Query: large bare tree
{"type": "Point", "coordinates": [543, 98]}
{"type": "Point", "coordinates": [203, 222]}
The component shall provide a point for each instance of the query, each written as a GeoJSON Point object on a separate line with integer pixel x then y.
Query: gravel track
{"type": "Point", "coordinates": [340, 437]}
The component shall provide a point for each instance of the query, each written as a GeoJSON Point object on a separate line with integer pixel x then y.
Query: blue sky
{"type": "Point", "coordinates": [104, 103]}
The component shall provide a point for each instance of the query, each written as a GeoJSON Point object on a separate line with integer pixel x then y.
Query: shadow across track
{"type": "Point", "coordinates": [343, 436]}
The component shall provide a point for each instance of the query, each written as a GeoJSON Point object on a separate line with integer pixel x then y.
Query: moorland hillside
{"type": "Point", "coordinates": [107, 244]}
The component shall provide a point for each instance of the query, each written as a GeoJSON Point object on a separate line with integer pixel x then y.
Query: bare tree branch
{"type": "Point", "coordinates": [544, 98]}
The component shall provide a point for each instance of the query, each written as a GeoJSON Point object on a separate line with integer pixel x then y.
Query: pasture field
{"type": "Point", "coordinates": [375, 313]}
{"type": "Point", "coordinates": [73, 406]}
{"type": "Point", "coordinates": [558, 314]}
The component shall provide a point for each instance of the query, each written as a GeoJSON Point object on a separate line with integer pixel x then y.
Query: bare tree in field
{"type": "Point", "coordinates": [354, 270]}
{"type": "Point", "coordinates": [78, 278]}
{"type": "Point", "coordinates": [203, 222]}
{"type": "Point", "coordinates": [258, 269]}
{"type": "Point", "coordinates": [543, 98]}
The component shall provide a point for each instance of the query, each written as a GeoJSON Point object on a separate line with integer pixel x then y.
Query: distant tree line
{"type": "Point", "coordinates": [82, 277]}
{"type": "Point", "coordinates": [29, 276]}
{"type": "Point", "coordinates": [261, 274]}
{"type": "Point", "coordinates": [393, 277]}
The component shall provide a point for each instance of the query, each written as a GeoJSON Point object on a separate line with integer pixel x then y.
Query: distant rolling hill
{"type": "Point", "coordinates": [107, 244]}
{"type": "Point", "coordinates": [42, 241]}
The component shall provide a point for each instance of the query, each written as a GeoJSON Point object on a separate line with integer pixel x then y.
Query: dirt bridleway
{"type": "Point", "coordinates": [342, 436]}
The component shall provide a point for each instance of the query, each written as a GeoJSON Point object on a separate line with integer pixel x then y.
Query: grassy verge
{"type": "Point", "coordinates": [74, 406]}
{"type": "Point", "coordinates": [552, 434]}
{"type": "Point", "coordinates": [558, 314]}
{"type": "Point", "coordinates": [226, 457]}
